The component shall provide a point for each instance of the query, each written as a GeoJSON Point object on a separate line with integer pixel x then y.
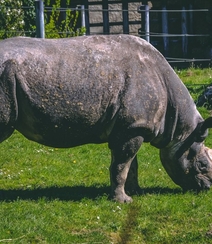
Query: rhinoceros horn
{"type": "Point", "coordinates": [198, 135]}
{"type": "Point", "coordinates": [209, 153]}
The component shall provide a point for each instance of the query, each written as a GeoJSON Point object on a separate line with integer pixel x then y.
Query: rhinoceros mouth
{"type": "Point", "coordinates": [199, 183]}
{"type": "Point", "coordinates": [203, 182]}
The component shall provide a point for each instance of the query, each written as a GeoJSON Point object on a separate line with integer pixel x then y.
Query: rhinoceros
{"type": "Point", "coordinates": [114, 89]}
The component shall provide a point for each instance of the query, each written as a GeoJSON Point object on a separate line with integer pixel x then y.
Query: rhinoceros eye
{"type": "Point", "coordinates": [191, 154]}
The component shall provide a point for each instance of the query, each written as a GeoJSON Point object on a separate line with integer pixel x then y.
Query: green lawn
{"type": "Point", "coordinates": [50, 195]}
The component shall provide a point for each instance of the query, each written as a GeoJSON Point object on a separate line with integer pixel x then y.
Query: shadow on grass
{"type": "Point", "coordinates": [75, 193]}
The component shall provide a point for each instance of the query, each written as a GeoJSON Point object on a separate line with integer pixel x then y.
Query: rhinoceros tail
{"type": "Point", "coordinates": [8, 102]}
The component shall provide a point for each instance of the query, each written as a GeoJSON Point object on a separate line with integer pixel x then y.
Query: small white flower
{"type": "Point", "coordinates": [118, 208]}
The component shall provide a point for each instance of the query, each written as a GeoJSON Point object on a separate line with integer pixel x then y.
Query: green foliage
{"type": "Point", "coordinates": [61, 24]}
{"type": "Point", "coordinates": [16, 21]}
{"type": "Point", "coordinates": [11, 19]}
{"type": "Point", "coordinates": [29, 18]}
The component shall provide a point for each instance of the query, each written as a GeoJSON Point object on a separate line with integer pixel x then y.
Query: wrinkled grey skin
{"type": "Point", "coordinates": [96, 89]}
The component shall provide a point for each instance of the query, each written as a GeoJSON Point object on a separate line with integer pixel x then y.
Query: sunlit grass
{"type": "Point", "coordinates": [195, 75]}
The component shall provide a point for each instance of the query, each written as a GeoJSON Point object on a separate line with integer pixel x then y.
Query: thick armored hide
{"type": "Point", "coordinates": [75, 91]}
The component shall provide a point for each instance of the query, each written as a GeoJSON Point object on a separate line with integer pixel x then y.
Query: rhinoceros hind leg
{"type": "Point", "coordinates": [131, 186]}
{"type": "Point", "coordinates": [122, 158]}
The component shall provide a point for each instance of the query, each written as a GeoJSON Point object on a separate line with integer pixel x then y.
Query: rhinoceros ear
{"type": "Point", "coordinates": [201, 132]}
{"type": "Point", "coordinates": [198, 135]}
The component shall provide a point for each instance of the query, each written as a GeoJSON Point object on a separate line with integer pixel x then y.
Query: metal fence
{"type": "Point", "coordinates": [143, 25]}
{"type": "Point", "coordinates": [186, 36]}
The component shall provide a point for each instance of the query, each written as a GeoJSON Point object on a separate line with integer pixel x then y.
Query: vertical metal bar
{"type": "Point", "coordinates": [144, 10]}
{"type": "Point", "coordinates": [190, 29]}
{"type": "Point", "coordinates": [106, 27]}
{"type": "Point", "coordinates": [39, 9]}
{"type": "Point", "coordinates": [184, 32]}
{"type": "Point", "coordinates": [165, 30]}
{"type": "Point", "coordinates": [83, 18]}
{"type": "Point", "coordinates": [147, 23]}
{"type": "Point", "coordinates": [87, 21]}
{"type": "Point", "coordinates": [143, 21]}
{"type": "Point", "coordinates": [125, 15]}
{"type": "Point", "coordinates": [63, 14]}
{"type": "Point", "coordinates": [210, 35]}
{"type": "Point", "coordinates": [190, 19]}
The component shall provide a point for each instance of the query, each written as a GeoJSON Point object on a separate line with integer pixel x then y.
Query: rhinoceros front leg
{"type": "Point", "coordinates": [123, 157]}
{"type": "Point", "coordinates": [8, 101]}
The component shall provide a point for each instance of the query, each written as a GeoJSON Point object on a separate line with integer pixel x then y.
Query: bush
{"type": "Point", "coordinates": [11, 18]}
{"type": "Point", "coordinates": [29, 18]}
{"type": "Point", "coordinates": [61, 24]}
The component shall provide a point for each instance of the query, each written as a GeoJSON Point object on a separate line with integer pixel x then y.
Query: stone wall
{"type": "Point", "coordinates": [115, 15]}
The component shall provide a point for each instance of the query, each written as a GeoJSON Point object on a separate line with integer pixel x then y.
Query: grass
{"type": "Point", "coordinates": [196, 79]}
{"type": "Point", "coordinates": [50, 195]}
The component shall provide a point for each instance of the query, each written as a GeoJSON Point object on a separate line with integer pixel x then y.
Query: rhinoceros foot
{"type": "Point", "coordinates": [122, 198]}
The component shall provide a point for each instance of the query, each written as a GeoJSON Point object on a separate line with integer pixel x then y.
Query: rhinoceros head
{"type": "Point", "coordinates": [190, 165]}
